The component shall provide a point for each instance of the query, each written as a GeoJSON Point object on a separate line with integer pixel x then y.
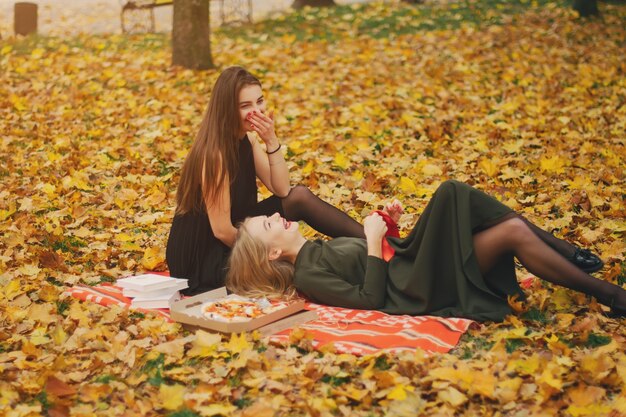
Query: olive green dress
{"type": "Point", "coordinates": [434, 270]}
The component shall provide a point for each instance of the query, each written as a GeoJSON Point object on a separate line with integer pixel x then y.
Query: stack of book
{"type": "Point", "coordinates": [151, 290]}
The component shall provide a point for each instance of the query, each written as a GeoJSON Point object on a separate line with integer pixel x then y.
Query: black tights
{"type": "Point", "coordinates": [302, 204]}
{"type": "Point", "coordinates": [513, 236]}
{"type": "Point", "coordinates": [561, 246]}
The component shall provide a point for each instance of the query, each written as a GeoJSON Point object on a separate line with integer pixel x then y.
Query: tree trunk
{"type": "Point", "coordinates": [25, 19]}
{"type": "Point", "coordinates": [586, 8]}
{"type": "Point", "coordinates": [191, 38]}
{"type": "Point", "coordinates": [298, 4]}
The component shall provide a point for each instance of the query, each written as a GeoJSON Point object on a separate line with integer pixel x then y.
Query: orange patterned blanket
{"type": "Point", "coordinates": [359, 332]}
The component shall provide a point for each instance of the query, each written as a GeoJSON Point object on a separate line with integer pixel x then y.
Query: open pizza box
{"type": "Point", "coordinates": [189, 312]}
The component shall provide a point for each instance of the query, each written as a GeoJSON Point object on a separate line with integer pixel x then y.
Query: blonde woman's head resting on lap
{"type": "Point", "coordinates": [262, 259]}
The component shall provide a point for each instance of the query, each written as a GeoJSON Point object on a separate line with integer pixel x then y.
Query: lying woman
{"type": "Point", "coordinates": [457, 261]}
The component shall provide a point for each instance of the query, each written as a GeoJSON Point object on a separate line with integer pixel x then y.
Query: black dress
{"type": "Point", "coordinates": [193, 252]}
{"type": "Point", "coordinates": [434, 270]}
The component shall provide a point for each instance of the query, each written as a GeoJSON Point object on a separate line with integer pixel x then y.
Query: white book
{"type": "Point", "coordinates": [157, 302]}
{"type": "Point", "coordinates": [147, 282]}
{"type": "Point", "coordinates": [174, 287]}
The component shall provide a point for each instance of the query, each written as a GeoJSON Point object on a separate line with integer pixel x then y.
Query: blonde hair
{"type": "Point", "coordinates": [252, 274]}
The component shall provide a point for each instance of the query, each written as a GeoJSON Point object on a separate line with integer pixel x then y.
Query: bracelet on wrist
{"type": "Point", "coordinates": [280, 145]}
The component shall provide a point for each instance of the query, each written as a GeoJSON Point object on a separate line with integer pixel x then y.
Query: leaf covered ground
{"type": "Point", "coordinates": [520, 99]}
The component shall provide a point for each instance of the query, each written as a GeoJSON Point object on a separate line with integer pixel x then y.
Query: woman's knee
{"type": "Point", "coordinates": [448, 185]}
{"type": "Point", "coordinates": [450, 188]}
{"type": "Point", "coordinates": [297, 202]}
{"type": "Point", "coordinates": [299, 194]}
{"type": "Point", "coordinates": [517, 230]}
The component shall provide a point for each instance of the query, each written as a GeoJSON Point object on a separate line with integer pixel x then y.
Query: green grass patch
{"type": "Point", "coordinates": [68, 244]}
{"type": "Point", "coordinates": [380, 21]}
{"type": "Point", "coordinates": [52, 280]}
{"type": "Point", "coordinates": [595, 340]}
{"type": "Point", "coordinates": [243, 402]}
{"type": "Point", "coordinates": [42, 398]}
{"type": "Point", "coordinates": [104, 379]}
{"type": "Point", "coordinates": [534, 314]}
{"type": "Point", "coordinates": [137, 315]}
{"type": "Point", "coordinates": [335, 380]}
{"type": "Point", "coordinates": [62, 306]}
{"type": "Point", "coordinates": [382, 363]}
{"type": "Point", "coordinates": [154, 369]}
{"type": "Point", "coordinates": [514, 344]}
{"type": "Point", "coordinates": [184, 413]}
{"type": "Point", "coordinates": [470, 345]}
{"type": "Point", "coordinates": [102, 280]}
{"type": "Point", "coordinates": [235, 380]}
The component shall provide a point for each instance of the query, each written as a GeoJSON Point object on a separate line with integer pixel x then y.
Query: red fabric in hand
{"type": "Point", "coordinates": [392, 231]}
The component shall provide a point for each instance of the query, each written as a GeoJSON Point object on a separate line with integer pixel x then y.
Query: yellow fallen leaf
{"type": "Point", "coordinates": [584, 395]}
{"type": "Point", "coordinates": [237, 343]}
{"type": "Point", "coordinates": [589, 410]}
{"type": "Point", "coordinates": [507, 390]}
{"type": "Point", "coordinates": [5, 214]}
{"type": "Point", "coordinates": [258, 409]}
{"type": "Point", "coordinates": [513, 146]}
{"type": "Point", "coordinates": [489, 167]}
{"type": "Point", "coordinates": [431, 170]}
{"type": "Point", "coordinates": [29, 270]}
{"type": "Point", "coordinates": [48, 189]}
{"type": "Point", "coordinates": [323, 404]}
{"type": "Point", "coordinates": [19, 103]}
{"type": "Point", "coordinates": [13, 289]}
{"type": "Point", "coordinates": [205, 344]}
{"type": "Point", "coordinates": [484, 384]}
{"type": "Point", "coordinates": [58, 335]}
{"type": "Point", "coordinates": [39, 336]}
{"type": "Point", "coordinates": [215, 409]}
{"type": "Point", "coordinates": [407, 185]}
{"type": "Point", "coordinates": [153, 257]}
{"type": "Point", "coordinates": [399, 392]}
{"type": "Point", "coordinates": [553, 164]}
{"type": "Point", "coordinates": [308, 168]}
{"type": "Point", "coordinates": [525, 366]}
{"type": "Point", "coordinates": [171, 396]}
{"type": "Point", "coordinates": [341, 161]}
{"type": "Point", "coordinates": [452, 396]}
{"type": "Point", "coordinates": [510, 106]}
{"type": "Point", "coordinates": [549, 377]}
{"type": "Point", "coordinates": [131, 246]}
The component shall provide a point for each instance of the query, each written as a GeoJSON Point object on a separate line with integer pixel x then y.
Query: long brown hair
{"type": "Point", "coordinates": [215, 151]}
{"type": "Point", "coordinates": [251, 273]}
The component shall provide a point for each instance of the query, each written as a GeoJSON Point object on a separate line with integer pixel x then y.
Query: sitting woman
{"type": "Point", "coordinates": [457, 261]}
{"type": "Point", "coordinates": [218, 184]}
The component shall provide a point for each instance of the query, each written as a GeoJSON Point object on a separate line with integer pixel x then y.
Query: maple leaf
{"type": "Point", "coordinates": [171, 396]}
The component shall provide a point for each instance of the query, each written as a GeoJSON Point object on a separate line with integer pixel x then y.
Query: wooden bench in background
{"type": "Point", "coordinates": [138, 15]}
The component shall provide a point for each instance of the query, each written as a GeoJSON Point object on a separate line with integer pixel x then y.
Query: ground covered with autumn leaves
{"type": "Point", "coordinates": [520, 99]}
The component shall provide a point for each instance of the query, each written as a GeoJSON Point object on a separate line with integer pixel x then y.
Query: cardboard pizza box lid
{"type": "Point", "coordinates": [189, 311]}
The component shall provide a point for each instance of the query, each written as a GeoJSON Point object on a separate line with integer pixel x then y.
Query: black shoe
{"type": "Point", "coordinates": [585, 260]}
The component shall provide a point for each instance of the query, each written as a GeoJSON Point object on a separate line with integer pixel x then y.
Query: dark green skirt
{"type": "Point", "coordinates": [435, 270]}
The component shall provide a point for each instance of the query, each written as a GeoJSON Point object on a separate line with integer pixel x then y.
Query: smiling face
{"type": "Point", "coordinates": [274, 231]}
{"type": "Point", "coordinates": [250, 98]}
